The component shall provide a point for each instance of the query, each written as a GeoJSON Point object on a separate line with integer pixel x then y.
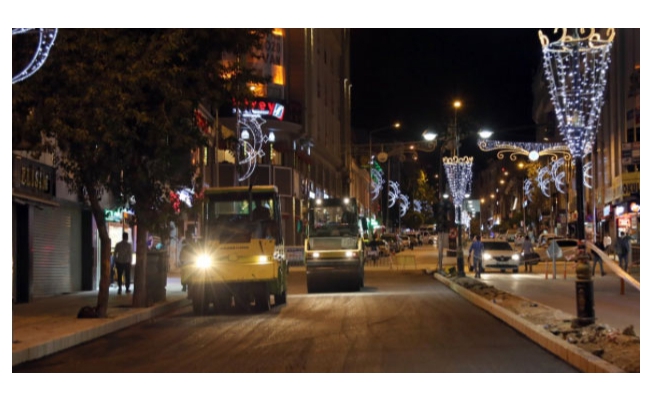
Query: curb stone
{"type": "Point", "coordinates": [575, 356]}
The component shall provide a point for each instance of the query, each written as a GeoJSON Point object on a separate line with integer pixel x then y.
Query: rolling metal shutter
{"type": "Point", "coordinates": [56, 250]}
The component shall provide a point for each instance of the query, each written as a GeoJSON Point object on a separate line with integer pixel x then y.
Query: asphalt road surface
{"type": "Point", "coordinates": [400, 322]}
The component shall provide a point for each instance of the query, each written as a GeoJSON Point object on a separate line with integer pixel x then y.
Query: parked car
{"type": "Point", "coordinates": [544, 239]}
{"type": "Point", "coordinates": [510, 235]}
{"type": "Point", "coordinates": [415, 238]}
{"type": "Point", "coordinates": [395, 244]}
{"type": "Point", "coordinates": [381, 247]}
{"type": "Point", "coordinates": [566, 248]}
{"type": "Point", "coordinates": [406, 241]}
{"type": "Point", "coordinates": [500, 254]}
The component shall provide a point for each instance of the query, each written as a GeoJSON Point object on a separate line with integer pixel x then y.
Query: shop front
{"type": "Point", "coordinates": [47, 234]}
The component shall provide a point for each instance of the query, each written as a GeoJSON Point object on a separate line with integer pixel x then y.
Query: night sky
{"type": "Point", "coordinates": [414, 75]}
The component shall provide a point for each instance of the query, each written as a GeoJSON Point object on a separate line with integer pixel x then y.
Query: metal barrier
{"type": "Point", "coordinates": [615, 268]}
{"type": "Point", "coordinates": [294, 255]}
{"type": "Point", "coordinates": [403, 261]}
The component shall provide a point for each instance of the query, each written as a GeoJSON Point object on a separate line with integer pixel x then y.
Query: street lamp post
{"type": "Point", "coordinates": [458, 204]}
{"type": "Point", "coordinates": [395, 125]}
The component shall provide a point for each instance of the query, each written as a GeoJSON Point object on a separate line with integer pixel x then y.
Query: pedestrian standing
{"type": "Point", "coordinates": [597, 259]}
{"type": "Point", "coordinates": [475, 251]}
{"type": "Point", "coordinates": [528, 253]}
{"type": "Point", "coordinates": [623, 248]}
{"type": "Point", "coordinates": [123, 254]}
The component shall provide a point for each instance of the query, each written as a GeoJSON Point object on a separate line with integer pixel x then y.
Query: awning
{"type": "Point", "coordinates": [33, 199]}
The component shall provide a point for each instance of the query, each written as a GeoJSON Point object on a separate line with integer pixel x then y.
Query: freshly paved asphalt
{"type": "Point", "coordinates": [48, 325]}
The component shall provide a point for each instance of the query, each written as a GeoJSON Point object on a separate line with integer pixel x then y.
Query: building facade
{"type": "Point", "coordinates": [307, 111]}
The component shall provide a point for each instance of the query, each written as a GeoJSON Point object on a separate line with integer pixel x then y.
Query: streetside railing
{"type": "Point", "coordinates": [615, 268]}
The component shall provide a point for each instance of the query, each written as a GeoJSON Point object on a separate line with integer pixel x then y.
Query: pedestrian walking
{"type": "Point", "coordinates": [623, 248]}
{"type": "Point", "coordinates": [475, 251]}
{"type": "Point", "coordinates": [123, 254]}
{"type": "Point", "coordinates": [597, 259]}
{"type": "Point", "coordinates": [528, 253]}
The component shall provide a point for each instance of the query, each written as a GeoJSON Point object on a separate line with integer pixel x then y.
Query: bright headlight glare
{"type": "Point", "coordinates": [486, 256]}
{"type": "Point", "coordinates": [349, 254]}
{"type": "Point", "coordinates": [515, 257]}
{"type": "Point", "coordinates": [263, 259]}
{"type": "Point", "coordinates": [315, 255]}
{"type": "Point", "coordinates": [204, 261]}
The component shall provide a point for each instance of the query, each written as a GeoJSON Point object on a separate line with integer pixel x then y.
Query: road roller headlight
{"type": "Point", "coordinates": [263, 259]}
{"type": "Point", "coordinates": [315, 255]}
{"type": "Point", "coordinates": [204, 261]}
{"type": "Point", "coordinates": [350, 254]}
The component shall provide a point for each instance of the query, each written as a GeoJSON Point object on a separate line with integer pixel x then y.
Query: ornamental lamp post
{"type": "Point", "coordinates": [459, 173]}
{"type": "Point", "coordinates": [576, 71]}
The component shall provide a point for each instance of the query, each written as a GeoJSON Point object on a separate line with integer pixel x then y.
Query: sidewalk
{"type": "Point", "coordinates": [48, 325]}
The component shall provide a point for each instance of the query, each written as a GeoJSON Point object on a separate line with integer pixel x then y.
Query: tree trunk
{"type": "Point", "coordinates": [105, 246]}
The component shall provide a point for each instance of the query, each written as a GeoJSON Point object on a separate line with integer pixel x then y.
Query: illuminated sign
{"type": "Point", "coordinates": [606, 211]}
{"type": "Point", "coordinates": [33, 177]}
{"type": "Point", "coordinates": [265, 108]}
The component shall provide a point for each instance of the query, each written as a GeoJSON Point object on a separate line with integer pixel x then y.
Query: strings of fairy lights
{"type": "Point", "coordinates": [405, 204]}
{"type": "Point", "coordinates": [45, 43]}
{"type": "Point", "coordinates": [575, 68]}
{"type": "Point", "coordinates": [459, 174]}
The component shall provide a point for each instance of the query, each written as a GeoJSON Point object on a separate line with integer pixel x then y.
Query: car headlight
{"type": "Point", "coordinates": [486, 256]}
{"type": "Point", "coordinates": [516, 257]}
{"type": "Point", "coordinates": [204, 261]}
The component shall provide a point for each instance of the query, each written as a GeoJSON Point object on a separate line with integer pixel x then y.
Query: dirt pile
{"type": "Point", "coordinates": [620, 348]}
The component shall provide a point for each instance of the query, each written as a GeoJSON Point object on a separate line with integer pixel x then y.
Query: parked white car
{"type": "Point", "coordinates": [562, 248]}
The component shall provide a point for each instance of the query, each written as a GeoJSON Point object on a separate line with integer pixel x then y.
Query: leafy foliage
{"type": "Point", "coordinates": [116, 108]}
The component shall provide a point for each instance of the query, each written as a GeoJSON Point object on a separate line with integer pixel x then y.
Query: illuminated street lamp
{"type": "Point", "coordinates": [459, 173]}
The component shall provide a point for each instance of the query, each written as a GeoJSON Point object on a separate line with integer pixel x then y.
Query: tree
{"type": "Point", "coordinates": [116, 107]}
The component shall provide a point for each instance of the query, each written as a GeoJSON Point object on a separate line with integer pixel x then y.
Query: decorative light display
{"type": "Point", "coordinates": [392, 194]}
{"type": "Point", "coordinates": [459, 173]}
{"type": "Point", "coordinates": [45, 43]}
{"type": "Point", "coordinates": [416, 204]}
{"type": "Point", "coordinates": [558, 176]}
{"type": "Point", "coordinates": [532, 150]}
{"type": "Point", "coordinates": [250, 143]}
{"type": "Point", "coordinates": [528, 188]}
{"type": "Point", "coordinates": [575, 68]}
{"type": "Point", "coordinates": [543, 180]}
{"type": "Point", "coordinates": [377, 182]}
{"type": "Point", "coordinates": [576, 71]}
{"type": "Point", "coordinates": [405, 204]}
{"type": "Point", "coordinates": [588, 178]}
{"type": "Point", "coordinates": [466, 218]}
